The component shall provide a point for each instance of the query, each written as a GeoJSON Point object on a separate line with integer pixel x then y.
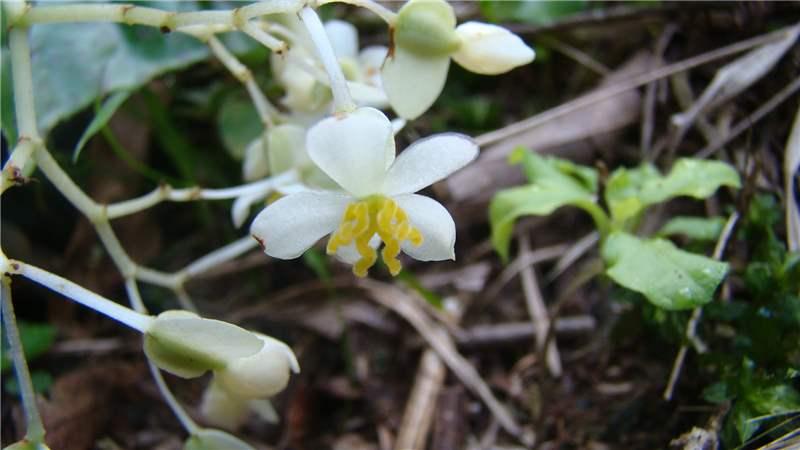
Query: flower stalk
{"type": "Point", "coordinates": [342, 100]}
{"type": "Point", "coordinates": [35, 429]}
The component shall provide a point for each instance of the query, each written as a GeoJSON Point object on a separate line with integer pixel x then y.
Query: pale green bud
{"type": "Point", "coordinates": [27, 445]}
{"type": "Point", "coordinates": [427, 28]}
{"type": "Point", "coordinates": [187, 345]}
{"type": "Point", "coordinates": [209, 439]}
{"type": "Point", "coordinates": [262, 374]}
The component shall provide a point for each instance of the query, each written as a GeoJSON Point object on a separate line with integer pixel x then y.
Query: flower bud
{"type": "Point", "coordinates": [255, 165]}
{"type": "Point", "coordinates": [489, 49]}
{"type": "Point", "coordinates": [221, 409]}
{"type": "Point", "coordinates": [187, 345]}
{"type": "Point", "coordinates": [209, 439]}
{"type": "Point", "coordinates": [27, 445]}
{"type": "Point", "coordinates": [426, 28]}
{"type": "Point", "coordinates": [262, 374]}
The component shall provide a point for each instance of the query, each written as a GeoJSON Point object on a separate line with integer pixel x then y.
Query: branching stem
{"type": "Point", "coordinates": [35, 429]}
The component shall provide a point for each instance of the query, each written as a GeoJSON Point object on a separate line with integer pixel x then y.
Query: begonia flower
{"type": "Point", "coordinates": [426, 38]}
{"type": "Point", "coordinates": [378, 198]}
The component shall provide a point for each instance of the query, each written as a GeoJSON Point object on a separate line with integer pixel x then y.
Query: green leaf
{"type": "Point", "coordinates": [94, 59]}
{"type": "Point", "coordinates": [318, 263]}
{"type": "Point", "coordinates": [41, 382]}
{"type": "Point", "coordinates": [697, 228]}
{"type": "Point", "coordinates": [630, 191]}
{"type": "Point", "coordinates": [238, 124]}
{"type": "Point", "coordinates": [537, 12]}
{"type": "Point", "coordinates": [741, 416]}
{"type": "Point", "coordinates": [553, 183]}
{"type": "Point", "coordinates": [36, 339]}
{"type": "Point", "coordinates": [717, 393]}
{"type": "Point", "coordinates": [26, 445]}
{"type": "Point", "coordinates": [669, 277]}
{"type": "Point", "coordinates": [101, 118]}
{"type": "Point", "coordinates": [774, 399]}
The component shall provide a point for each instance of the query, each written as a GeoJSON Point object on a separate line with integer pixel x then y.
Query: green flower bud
{"type": "Point", "coordinates": [27, 445]}
{"type": "Point", "coordinates": [187, 345]}
{"type": "Point", "coordinates": [427, 28]}
{"type": "Point", "coordinates": [209, 439]}
{"type": "Point", "coordinates": [262, 374]}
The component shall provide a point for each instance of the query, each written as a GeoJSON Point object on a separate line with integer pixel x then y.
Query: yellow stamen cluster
{"type": "Point", "coordinates": [374, 215]}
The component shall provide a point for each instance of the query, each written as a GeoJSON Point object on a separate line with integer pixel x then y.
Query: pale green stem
{"type": "Point", "coordinates": [384, 13]}
{"type": "Point", "coordinates": [220, 255]}
{"type": "Point", "coordinates": [183, 417]}
{"type": "Point", "coordinates": [242, 73]}
{"type": "Point", "coordinates": [266, 39]}
{"type": "Point", "coordinates": [35, 429]}
{"type": "Point", "coordinates": [133, 319]}
{"type": "Point", "coordinates": [23, 83]}
{"type": "Point", "coordinates": [343, 102]}
{"type": "Point", "coordinates": [167, 193]}
{"type": "Point", "coordinates": [126, 266]}
{"type": "Point", "coordinates": [66, 186]}
{"type": "Point", "coordinates": [139, 15]}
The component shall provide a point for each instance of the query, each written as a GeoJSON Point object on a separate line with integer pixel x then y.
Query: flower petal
{"type": "Point", "coordinates": [294, 223]}
{"type": "Point", "coordinates": [286, 148]}
{"type": "Point", "coordinates": [354, 149]}
{"type": "Point", "coordinates": [436, 225]}
{"type": "Point", "coordinates": [413, 82]}
{"type": "Point", "coordinates": [489, 49]}
{"type": "Point", "coordinates": [343, 37]}
{"type": "Point", "coordinates": [255, 164]}
{"type": "Point", "coordinates": [371, 59]}
{"type": "Point", "coordinates": [367, 95]}
{"type": "Point", "coordinates": [428, 161]}
{"type": "Point", "coordinates": [241, 207]}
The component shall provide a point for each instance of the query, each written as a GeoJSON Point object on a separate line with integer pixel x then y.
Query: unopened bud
{"type": "Point", "coordinates": [262, 374]}
{"type": "Point", "coordinates": [209, 439]}
{"type": "Point", "coordinates": [187, 345]}
{"type": "Point", "coordinates": [426, 28]}
{"type": "Point", "coordinates": [489, 49]}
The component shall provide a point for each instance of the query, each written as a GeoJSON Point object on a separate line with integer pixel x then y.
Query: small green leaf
{"type": "Point", "coordinates": [537, 12]}
{"type": "Point", "coordinates": [697, 228]}
{"type": "Point", "coordinates": [317, 262]}
{"type": "Point", "coordinates": [26, 445]}
{"type": "Point", "coordinates": [238, 124]}
{"type": "Point", "coordinates": [41, 382]}
{"type": "Point", "coordinates": [101, 118]}
{"type": "Point", "coordinates": [669, 277]}
{"type": "Point", "coordinates": [717, 393]}
{"type": "Point", "coordinates": [774, 399]}
{"type": "Point", "coordinates": [741, 416]}
{"type": "Point", "coordinates": [630, 191]}
{"type": "Point", "coordinates": [553, 183]}
{"type": "Point", "coordinates": [36, 339]}
{"type": "Point", "coordinates": [209, 439]}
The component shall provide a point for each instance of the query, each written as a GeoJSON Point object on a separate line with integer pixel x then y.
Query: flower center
{"type": "Point", "coordinates": [374, 215]}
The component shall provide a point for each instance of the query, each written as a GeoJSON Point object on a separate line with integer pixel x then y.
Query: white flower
{"type": "Point", "coordinates": [357, 151]}
{"type": "Point", "coordinates": [303, 77]}
{"type": "Point", "coordinates": [425, 39]}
